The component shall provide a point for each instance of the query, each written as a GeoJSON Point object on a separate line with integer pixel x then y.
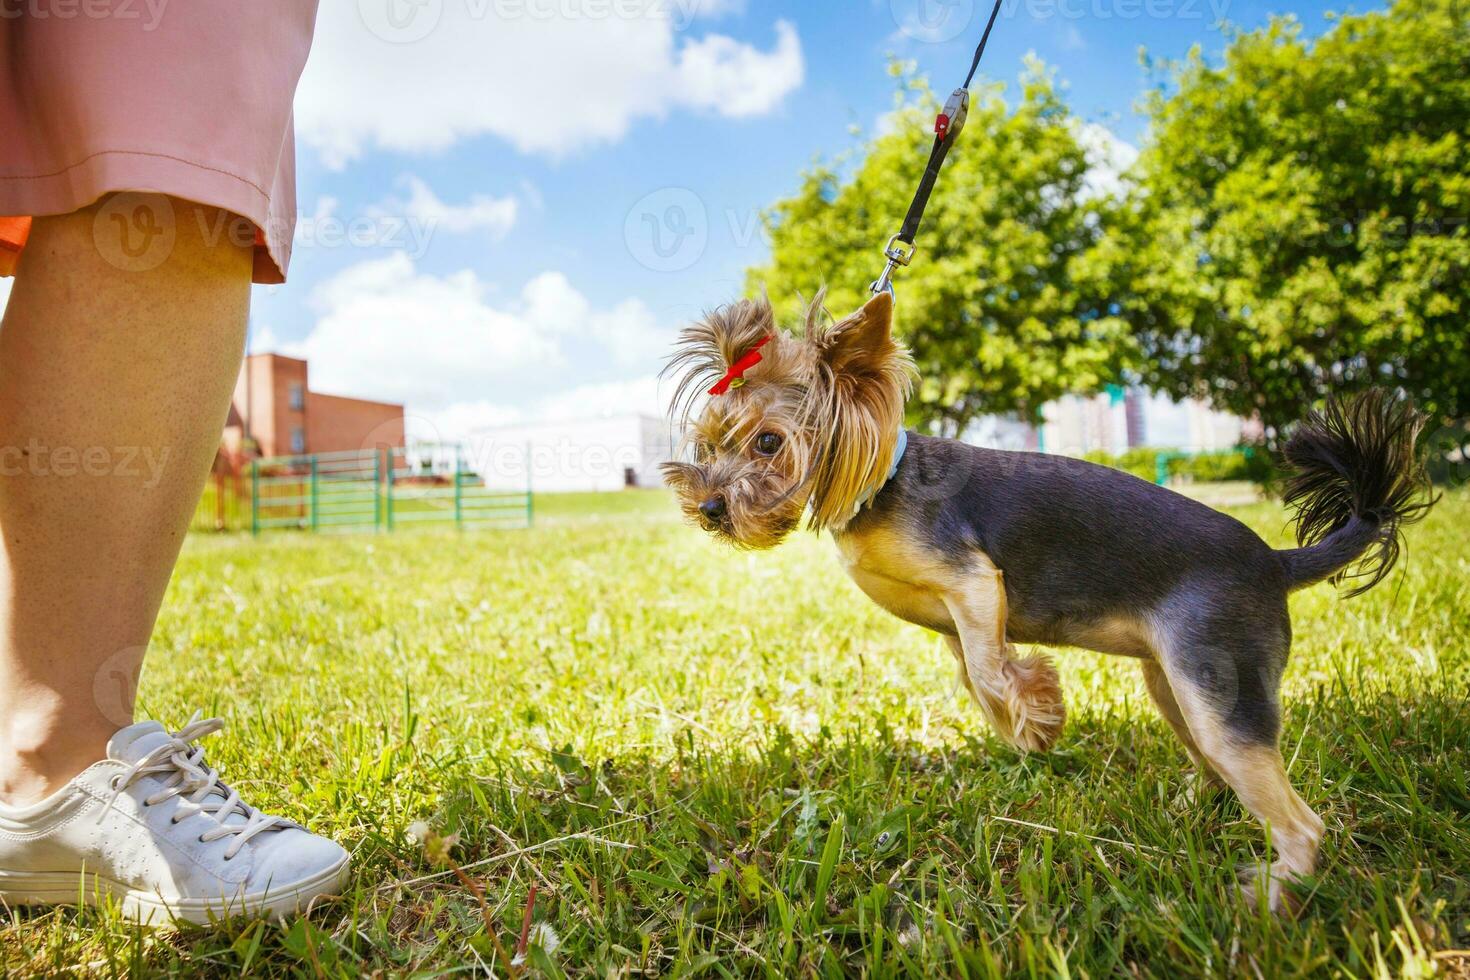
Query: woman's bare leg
{"type": "Point", "coordinates": [115, 380]}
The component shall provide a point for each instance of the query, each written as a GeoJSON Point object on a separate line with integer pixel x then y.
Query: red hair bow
{"type": "Point", "coordinates": [735, 377]}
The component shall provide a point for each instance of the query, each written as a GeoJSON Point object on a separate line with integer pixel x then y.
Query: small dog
{"type": "Point", "coordinates": [992, 548]}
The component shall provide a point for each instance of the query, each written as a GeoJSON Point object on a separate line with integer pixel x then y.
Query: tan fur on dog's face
{"type": "Point", "coordinates": [832, 398]}
{"type": "Point", "coordinates": [764, 495]}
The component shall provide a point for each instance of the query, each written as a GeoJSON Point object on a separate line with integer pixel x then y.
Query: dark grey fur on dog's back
{"type": "Point", "coordinates": [1077, 542]}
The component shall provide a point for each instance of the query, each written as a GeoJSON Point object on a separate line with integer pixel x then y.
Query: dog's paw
{"type": "Point", "coordinates": [1037, 710]}
{"type": "Point", "coordinates": [1259, 883]}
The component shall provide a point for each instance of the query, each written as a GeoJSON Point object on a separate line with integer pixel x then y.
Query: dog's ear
{"type": "Point", "coordinates": [864, 380]}
{"type": "Point", "coordinates": [862, 343]}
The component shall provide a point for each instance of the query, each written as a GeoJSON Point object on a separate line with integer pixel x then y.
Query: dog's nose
{"type": "Point", "coordinates": [713, 508]}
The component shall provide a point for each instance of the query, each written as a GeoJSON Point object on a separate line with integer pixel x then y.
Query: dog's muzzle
{"type": "Point", "coordinates": [715, 513]}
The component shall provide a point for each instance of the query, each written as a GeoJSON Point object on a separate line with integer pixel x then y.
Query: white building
{"type": "Point", "coordinates": [1002, 432]}
{"type": "Point", "coordinates": [606, 453]}
{"type": "Point", "coordinates": [1113, 422]}
{"type": "Point", "coordinates": [1192, 425]}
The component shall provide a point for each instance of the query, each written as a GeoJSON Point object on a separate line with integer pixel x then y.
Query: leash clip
{"type": "Point", "coordinates": [898, 253]}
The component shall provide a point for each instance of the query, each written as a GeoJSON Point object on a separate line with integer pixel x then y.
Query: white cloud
{"type": "Point", "coordinates": [549, 77]}
{"type": "Point", "coordinates": [496, 215]}
{"type": "Point", "coordinates": [440, 345]}
{"type": "Point", "coordinates": [720, 73]}
{"type": "Point", "coordinates": [388, 331]}
{"type": "Point", "coordinates": [464, 421]}
{"type": "Point", "coordinates": [1108, 159]}
{"type": "Point", "coordinates": [460, 421]}
{"type": "Point", "coordinates": [642, 394]}
{"type": "Point", "coordinates": [263, 340]}
{"type": "Point", "coordinates": [629, 332]}
{"type": "Point", "coordinates": [552, 304]}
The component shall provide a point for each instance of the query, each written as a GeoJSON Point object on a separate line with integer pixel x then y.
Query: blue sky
{"type": "Point", "coordinates": [504, 165]}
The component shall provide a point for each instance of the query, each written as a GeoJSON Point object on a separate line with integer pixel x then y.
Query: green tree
{"type": "Point", "coordinates": [1299, 222]}
{"type": "Point", "coordinates": [992, 308]}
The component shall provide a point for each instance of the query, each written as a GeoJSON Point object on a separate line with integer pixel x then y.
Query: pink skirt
{"type": "Point", "coordinates": [191, 99]}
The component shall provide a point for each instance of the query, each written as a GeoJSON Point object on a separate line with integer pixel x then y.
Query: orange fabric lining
{"type": "Point", "coordinates": [13, 235]}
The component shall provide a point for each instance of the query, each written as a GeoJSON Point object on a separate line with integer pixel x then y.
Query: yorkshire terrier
{"type": "Point", "coordinates": [991, 548]}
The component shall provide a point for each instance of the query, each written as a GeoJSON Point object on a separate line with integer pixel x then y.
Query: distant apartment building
{"type": "Point", "coordinates": [1115, 421]}
{"type": "Point", "coordinates": [275, 407]}
{"type": "Point", "coordinates": [609, 452]}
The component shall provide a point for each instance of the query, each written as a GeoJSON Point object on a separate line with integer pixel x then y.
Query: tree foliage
{"type": "Point", "coordinates": [1299, 225]}
{"type": "Point", "coordinates": [993, 308]}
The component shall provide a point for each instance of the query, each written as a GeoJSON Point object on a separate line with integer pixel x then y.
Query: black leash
{"type": "Point", "coordinates": [900, 248]}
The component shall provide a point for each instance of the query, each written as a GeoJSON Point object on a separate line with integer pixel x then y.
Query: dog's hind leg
{"type": "Point", "coordinates": [1163, 696]}
{"type": "Point", "coordinates": [958, 649]}
{"type": "Point", "coordinates": [1022, 699]}
{"type": "Point", "coordinates": [1227, 690]}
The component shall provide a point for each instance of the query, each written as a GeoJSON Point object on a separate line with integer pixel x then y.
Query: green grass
{"type": "Point", "coordinates": [733, 764]}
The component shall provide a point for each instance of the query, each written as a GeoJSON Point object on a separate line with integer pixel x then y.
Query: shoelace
{"type": "Point", "coordinates": [199, 786]}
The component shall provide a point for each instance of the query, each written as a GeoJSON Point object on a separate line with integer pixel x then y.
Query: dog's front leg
{"type": "Point", "coordinates": [1022, 699]}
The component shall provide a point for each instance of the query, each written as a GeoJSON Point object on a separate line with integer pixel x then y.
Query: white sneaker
{"type": "Point", "coordinates": [153, 827]}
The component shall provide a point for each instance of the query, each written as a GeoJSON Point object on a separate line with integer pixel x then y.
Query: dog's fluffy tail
{"type": "Point", "coordinates": [1356, 478]}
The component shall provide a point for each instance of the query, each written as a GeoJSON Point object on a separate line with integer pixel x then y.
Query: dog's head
{"type": "Point", "coordinates": [813, 421]}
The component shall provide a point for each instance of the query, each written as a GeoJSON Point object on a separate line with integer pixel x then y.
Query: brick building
{"type": "Point", "coordinates": [275, 406]}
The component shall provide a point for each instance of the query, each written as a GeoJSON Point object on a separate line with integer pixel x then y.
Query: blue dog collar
{"type": "Point", "coordinates": [899, 448]}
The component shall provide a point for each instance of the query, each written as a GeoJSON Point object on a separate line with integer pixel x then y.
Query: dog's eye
{"type": "Point", "coordinates": [768, 444]}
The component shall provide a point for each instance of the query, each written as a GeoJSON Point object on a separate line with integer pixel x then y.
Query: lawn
{"type": "Point", "coordinates": [716, 763]}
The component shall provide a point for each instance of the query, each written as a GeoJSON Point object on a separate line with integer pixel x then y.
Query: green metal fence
{"type": "Point", "coordinates": [379, 490]}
